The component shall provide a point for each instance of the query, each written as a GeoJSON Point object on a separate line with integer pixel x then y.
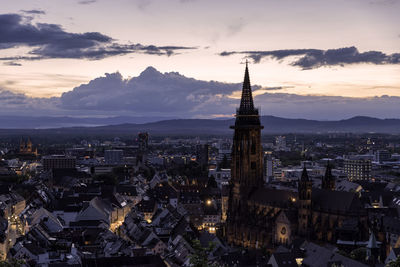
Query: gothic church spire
{"type": "Point", "coordinates": [246, 102]}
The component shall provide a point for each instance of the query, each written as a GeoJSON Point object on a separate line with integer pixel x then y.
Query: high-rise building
{"type": "Point", "coordinates": [58, 162]}
{"type": "Point", "coordinates": [382, 155]}
{"type": "Point", "coordinates": [268, 166]}
{"type": "Point", "coordinates": [357, 169]}
{"type": "Point", "coordinates": [143, 139]}
{"type": "Point", "coordinates": [202, 154]}
{"type": "Point", "coordinates": [280, 143]}
{"type": "Point", "coordinates": [114, 156]}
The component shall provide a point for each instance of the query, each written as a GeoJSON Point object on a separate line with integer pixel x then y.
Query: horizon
{"type": "Point", "coordinates": [67, 60]}
{"type": "Point", "coordinates": [199, 133]}
{"type": "Point", "coordinates": [203, 99]}
{"type": "Point", "coordinates": [275, 125]}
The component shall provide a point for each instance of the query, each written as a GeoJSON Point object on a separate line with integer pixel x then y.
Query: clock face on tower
{"type": "Point", "coordinates": [283, 230]}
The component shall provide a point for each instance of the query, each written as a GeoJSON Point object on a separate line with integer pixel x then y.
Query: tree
{"type": "Point", "coordinates": [108, 179]}
{"type": "Point", "coordinates": [119, 171]}
{"type": "Point", "coordinates": [359, 254]}
{"type": "Point", "coordinates": [200, 256]}
{"type": "Point", "coordinates": [11, 263]}
{"type": "Point", "coordinates": [394, 263]}
{"type": "Point", "coordinates": [211, 182]}
{"type": "Point", "coordinates": [224, 163]}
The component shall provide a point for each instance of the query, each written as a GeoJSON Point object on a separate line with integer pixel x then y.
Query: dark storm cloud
{"type": "Point", "coordinates": [315, 58]}
{"type": "Point", "coordinates": [173, 94]}
{"type": "Point", "coordinates": [327, 107]}
{"type": "Point", "coordinates": [152, 91]}
{"type": "Point", "coordinates": [12, 102]}
{"type": "Point", "coordinates": [170, 94]}
{"type": "Point", "coordinates": [52, 41]}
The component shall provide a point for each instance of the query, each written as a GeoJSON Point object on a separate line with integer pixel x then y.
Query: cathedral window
{"type": "Point", "coordinates": [253, 145]}
{"type": "Point", "coordinates": [253, 165]}
{"type": "Point", "coordinates": [283, 230]}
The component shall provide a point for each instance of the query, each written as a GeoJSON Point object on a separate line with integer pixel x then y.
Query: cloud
{"type": "Point", "coordinates": [52, 41]}
{"type": "Point", "coordinates": [143, 4]}
{"type": "Point", "coordinates": [316, 58]}
{"type": "Point", "coordinates": [20, 58]}
{"type": "Point", "coordinates": [150, 93]}
{"type": "Point", "coordinates": [384, 2]}
{"type": "Point", "coordinates": [275, 88]}
{"type": "Point", "coordinates": [326, 107]}
{"type": "Point", "coordinates": [34, 12]}
{"type": "Point", "coordinates": [12, 63]}
{"type": "Point", "coordinates": [87, 2]}
{"type": "Point", "coordinates": [173, 95]}
{"type": "Point", "coordinates": [235, 26]}
{"type": "Point", "coordinates": [16, 103]}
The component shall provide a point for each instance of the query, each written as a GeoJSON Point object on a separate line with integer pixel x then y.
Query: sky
{"type": "Point", "coordinates": [314, 59]}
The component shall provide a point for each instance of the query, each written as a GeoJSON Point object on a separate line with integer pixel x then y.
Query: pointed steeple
{"type": "Point", "coordinates": [247, 114]}
{"type": "Point", "coordinates": [246, 102]}
{"type": "Point", "coordinates": [328, 172]}
{"type": "Point", "coordinates": [328, 181]}
{"type": "Point", "coordinates": [304, 175]}
{"type": "Point", "coordinates": [372, 241]}
{"type": "Point", "coordinates": [372, 249]}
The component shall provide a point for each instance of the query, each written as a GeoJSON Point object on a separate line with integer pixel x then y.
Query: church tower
{"type": "Point", "coordinates": [29, 146]}
{"type": "Point", "coordinates": [246, 166]}
{"type": "Point", "coordinates": [305, 191]}
{"type": "Point", "coordinates": [328, 181]}
{"type": "Point", "coordinates": [21, 146]}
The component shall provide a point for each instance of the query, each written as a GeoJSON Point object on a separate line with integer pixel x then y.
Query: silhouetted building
{"type": "Point", "coordinates": [328, 181]}
{"type": "Point", "coordinates": [280, 143]}
{"type": "Point", "coordinates": [268, 167]}
{"type": "Point", "coordinates": [358, 169]}
{"type": "Point", "coordinates": [246, 170]}
{"type": "Point", "coordinates": [58, 162]}
{"type": "Point", "coordinates": [27, 147]}
{"type": "Point", "coordinates": [305, 198]}
{"type": "Point", "coordinates": [143, 139]}
{"type": "Point", "coordinates": [202, 154]}
{"type": "Point", "coordinates": [114, 156]}
{"type": "Point", "coordinates": [261, 217]}
{"type": "Point", "coordinates": [383, 155]}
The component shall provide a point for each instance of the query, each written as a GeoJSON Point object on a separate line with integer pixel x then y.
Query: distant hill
{"type": "Point", "coordinates": [44, 122]}
{"type": "Point", "coordinates": [272, 125]}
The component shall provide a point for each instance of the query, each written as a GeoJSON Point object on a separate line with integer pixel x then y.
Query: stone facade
{"type": "Point", "coordinates": [262, 217]}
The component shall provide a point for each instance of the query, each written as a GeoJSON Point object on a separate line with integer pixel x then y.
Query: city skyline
{"type": "Point", "coordinates": [200, 133]}
{"type": "Point", "coordinates": [334, 55]}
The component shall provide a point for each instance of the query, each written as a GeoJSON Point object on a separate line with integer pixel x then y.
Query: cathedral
{"type": "Point", "coordinates": [26, 148]}
{"type": "Point", "coordinates": [261, 217]}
